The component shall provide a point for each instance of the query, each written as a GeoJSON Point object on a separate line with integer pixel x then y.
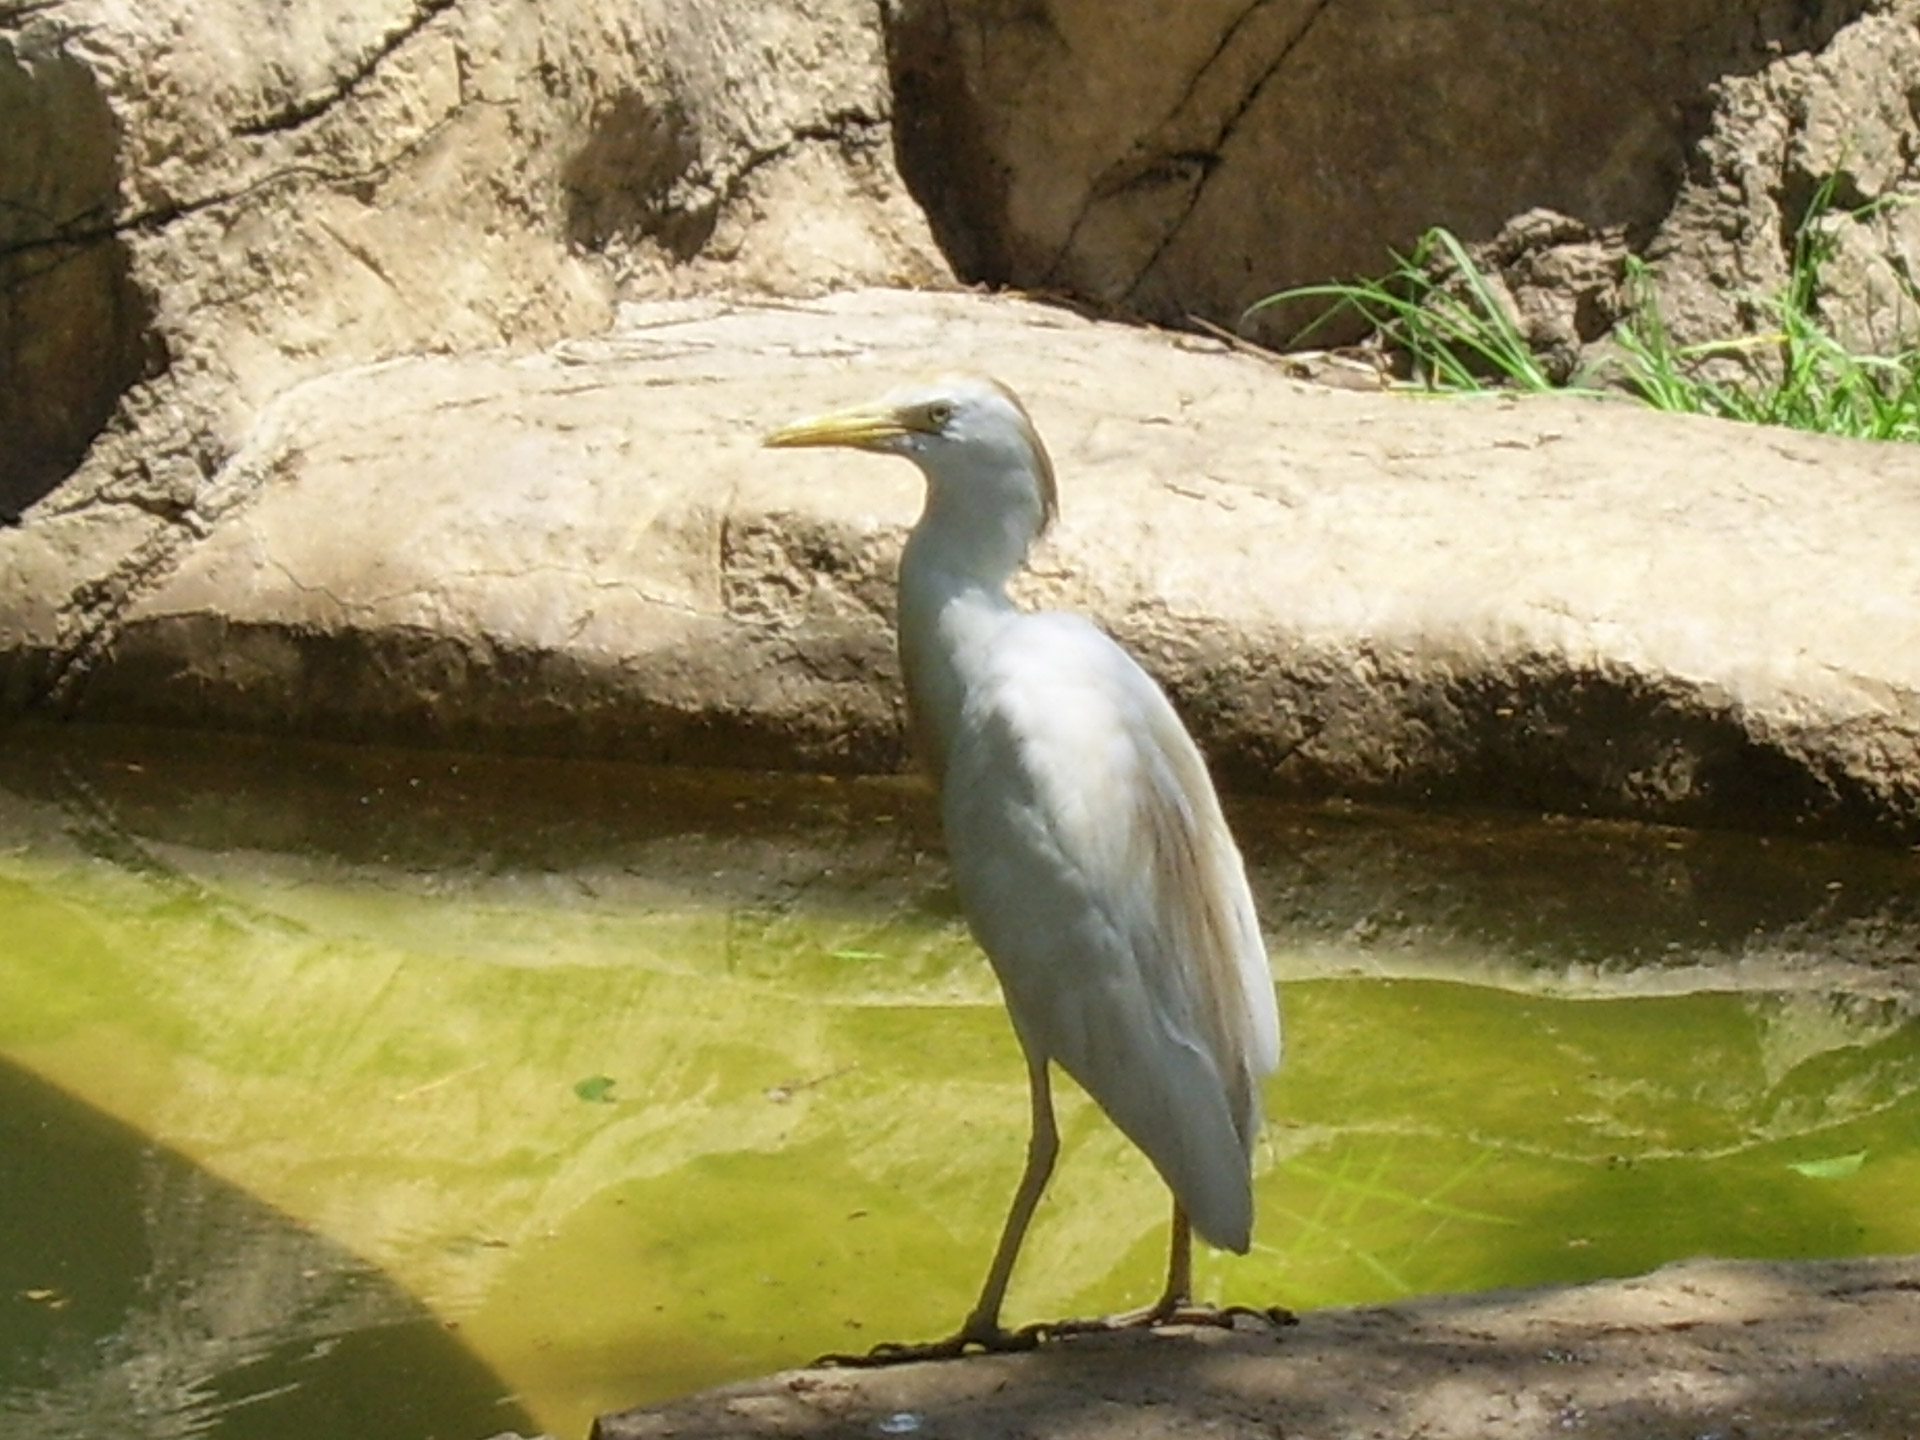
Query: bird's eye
{"type": "Point", "coordinates": [938, 414]}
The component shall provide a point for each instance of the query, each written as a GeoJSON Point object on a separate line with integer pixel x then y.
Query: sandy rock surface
{"type": "Point", "coordinates": [1558, 604]}
{"type": "Point", "coordinates": [204, 202]}
{"type": "Point", "coordinates": [1704, 1349]}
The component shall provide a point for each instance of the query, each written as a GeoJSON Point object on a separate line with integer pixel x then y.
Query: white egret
{"type": "Point", "coordinates": [1091, 858]}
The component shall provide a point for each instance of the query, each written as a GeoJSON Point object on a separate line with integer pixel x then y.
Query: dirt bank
{"type": "Point", "coordinates": [1708, 1350]}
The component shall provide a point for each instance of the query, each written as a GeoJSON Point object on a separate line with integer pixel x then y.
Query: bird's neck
{"type": "Point", "coordinates": [951, 606]}
{"type": "Point", "coordinates": [973, 543]}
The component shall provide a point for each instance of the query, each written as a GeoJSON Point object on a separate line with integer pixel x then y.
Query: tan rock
{"type": "Point", "coordinates": [1558, 604]}
{"type": "Point", "coordinates": [1843, 115]}
{"type": "Point", "coordinates": [211, 200]}
{"type": "Point", "coordinates": [203, 202]}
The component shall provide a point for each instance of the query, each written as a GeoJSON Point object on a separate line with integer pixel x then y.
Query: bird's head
{"type": "Point", "coordinates": [969, 434]}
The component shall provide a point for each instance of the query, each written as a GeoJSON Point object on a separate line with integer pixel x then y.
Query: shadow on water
{"type": "Point", "coordinates": [140, 1295]}
{"type": "Point", "coordinates": [640, 1080]}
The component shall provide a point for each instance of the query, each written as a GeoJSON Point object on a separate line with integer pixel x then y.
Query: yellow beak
{"type": "Point", "coordinates": [861, 429]}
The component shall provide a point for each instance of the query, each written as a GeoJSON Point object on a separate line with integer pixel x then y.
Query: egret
{"type": "Point", "coordinates": [1092, 862]}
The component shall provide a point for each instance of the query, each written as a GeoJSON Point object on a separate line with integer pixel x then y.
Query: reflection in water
{"type": "Point", "coordinates": [643, 1081]}
{"type": "Point", "coordinates": [144, 1297]}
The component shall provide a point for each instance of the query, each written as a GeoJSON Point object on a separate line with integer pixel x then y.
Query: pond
{"type": "Point", "coordinates": [348, 1091]}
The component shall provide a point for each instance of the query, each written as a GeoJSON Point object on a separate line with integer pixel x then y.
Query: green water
{"type": "Point", "coordinates": [401, 1095]}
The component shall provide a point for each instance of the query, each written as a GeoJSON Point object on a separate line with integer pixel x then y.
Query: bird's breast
{"type": "Point", "coordinates": [949, 637]}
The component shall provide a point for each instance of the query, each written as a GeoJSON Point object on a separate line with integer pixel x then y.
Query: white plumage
{"type": "Point", "coordinates": [1092, 861]}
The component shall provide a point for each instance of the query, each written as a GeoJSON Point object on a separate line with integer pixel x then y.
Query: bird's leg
{"type": "Point", "coordinates": [1179, 1289]}
{"type": "Point", "coordinates": [981, 1330]}
{"type": "Point", "coordinates": [1175, 1305]}
{"type": "Point", "coordinates": [982, 1326]}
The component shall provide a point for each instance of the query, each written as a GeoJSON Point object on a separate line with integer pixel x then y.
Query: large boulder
{"type": "Point", "coordinates": [203, 202]}
{"type": "Point", "coordinates": [1561, 604]}
{"type": "Point", "coordinates": [216, 215]}
{"type": "Point", "coordinates": [1189, 160]}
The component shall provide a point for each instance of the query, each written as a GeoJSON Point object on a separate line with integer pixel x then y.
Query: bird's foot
{"type": "Point", "coordinates": [992, 1340]}
{"type": "Point", "coordinates": [1171, 1311]}
{"type": "Point", "coordinates": [971, 1340]}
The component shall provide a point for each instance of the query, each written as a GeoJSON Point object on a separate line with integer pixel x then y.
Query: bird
{"type": "Point", "coordinates": [1088, 849]}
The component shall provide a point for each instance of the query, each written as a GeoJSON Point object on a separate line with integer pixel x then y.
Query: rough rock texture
{"type": "Point", "coordinates": [1706, 1349]}
{"type": "Point", "coordinates": [211, 200]}
{"type": "Point", "coordinates": [1192, 159]}
{"type": "Point", "coordinates": [73, 327]}
{"type": "Point", "coordinates": [1559, 604]}
{"type": "Point", "coordinates": [205, 201]}
{"type": "Point", "coordinates": [1849, 114]}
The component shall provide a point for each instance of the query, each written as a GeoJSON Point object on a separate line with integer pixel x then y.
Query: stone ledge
{"type": "Point", "coordinates": [1703, 1348]}
{"type": "Point", "coordinates": [1552, 603]}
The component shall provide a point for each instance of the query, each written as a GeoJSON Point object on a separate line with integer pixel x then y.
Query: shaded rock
{"type": "Point", "coordinates": [1193, 161]}
{"type": "Point", "coordinates": [1191, 165]}
{"type": "Point", "coordinates": [1554, 604]}
{"type": "Point", "coordinates": [1699, 1349]}
{"type": "Point", "coordinates": [1553, 283]}
{"type": "Point", "coordinates": [73, 326]}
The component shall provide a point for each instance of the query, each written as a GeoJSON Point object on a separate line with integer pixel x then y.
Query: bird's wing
{"type": "Point", "coordinates": [1098, 875]}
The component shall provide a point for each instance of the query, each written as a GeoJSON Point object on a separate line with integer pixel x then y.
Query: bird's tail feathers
{"type": "Point", "coordinates": [1181, 1120]}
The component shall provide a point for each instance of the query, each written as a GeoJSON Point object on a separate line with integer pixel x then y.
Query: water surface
{"type": "Point", "coordinates": [396, 1094]}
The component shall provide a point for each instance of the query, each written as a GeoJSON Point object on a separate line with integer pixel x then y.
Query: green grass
{"type": "Point", "coordinates": [1457, 338]}
{"type": "Point", "coordinates": [1813, 381]}
{"type": "Point", "coordinates": [1440, 311]}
